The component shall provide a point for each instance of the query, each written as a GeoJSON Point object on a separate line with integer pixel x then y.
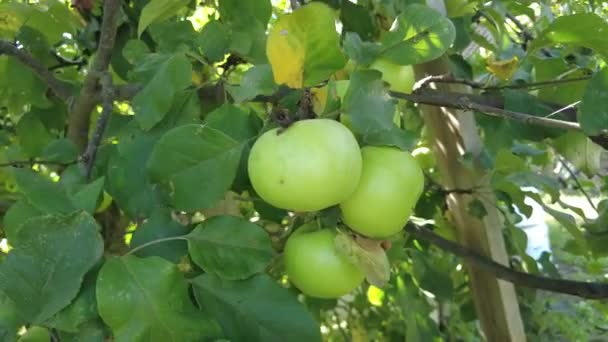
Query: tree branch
{"type": "Point", "coordinates": [59, 88]}
{"type": "Point", "coordinates": [590, 290]}
{"type": "Point", "coordinates": [107, 94]}
{"type": "Point", "coordinates": [468, 102]}
{"type": "Point", "coordinates": [80, 114]}
{"type": "Point", "coordinates": [476, 85]}
{"type": "Point", "coordinates": [22, 163]}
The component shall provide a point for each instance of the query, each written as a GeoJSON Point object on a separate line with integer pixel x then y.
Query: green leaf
{"type": "Point", "coordinates": [581, 151]}
{"type": "Point", "coordinates": [87, 196]}
{"type": "Point", "coordinates": [153, 102]}
{"type": "Point", "coordinates": [135, 50]}
{"type": "Point", "coordinates": [303, 47]}
{"type": "Point", "coordinates": [477, 209]}
{"type": "Point", "coordinates": [234, 10]}
{"type": "Point", "coordinates": [147, 300]}
{"type": "Point", "coordinates": [256, 309]}
{"type": "Point", "coordinates": [559, 93]}
{"type": "Point", "coordinates": [82, 310]}
{"type": "Point", "coordinates": [196, 163]}
{"type": "Point", "coordinates": [506, 162]}
{"type": "Point", "coordinates": [256, 81]}
{"type": "Point", "coordinates": [567, 221]}
{"type": "Point", "coordinates": [432, 276]}
{"type": "Point", "coordinates": [230, 247]}
{"type": "Point", "coordinates": [20, 87]}
{"type": "Point", "coordinates": [359, 51]}
{"type": "Point", "coordinates": [357, 18]}
{"type": "Point", "coordinates": [583, 29]}
{"type": "Point", "coordinates": [126, 178]}
{"type": "Point", "coordinates": [42, 193]}
{"type": "Point", "coordinates": [247, 21]}
{"type": "Point", "coordinates": [16, 215]}
{"type": "Point", "coordinates": [92, 331]}
{"type": "Point", "coordinates": [158, 10]}
{"type": "Point", "coordinates": [173, 36]}
{"type": "Point", "coordinates": [405, 140]}
{"type": "Point", "coordinates": [368, 106]}
{"type": "Point", "coordinates": [419, 34]}
{"type": "Point", "coordinates": [593, 113]}
{"type": "Point", "coordinates": [214, 40]}
{"type": "Point", "coordinates": [233, 122]}
{"type": "Point", "coordinates": [160, 225]}
{"type": "Point", "coordinates": [33, 136]}
{"type": "Point", "coordinates": [51, 255]}
{"type": "Point", "coordinates": [60, 150]}
{"type": "Point", "coordinates": [9, 319]}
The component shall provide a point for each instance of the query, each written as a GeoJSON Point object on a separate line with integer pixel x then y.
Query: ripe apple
{"type": "Point", "coordinates": [316, 267]}
{"type": "Point", "coordinates": [390, 186]}
{"type": "Point", "coordinates": [400, 77]}
{"type": "Point", "coordinates": [311, 165]}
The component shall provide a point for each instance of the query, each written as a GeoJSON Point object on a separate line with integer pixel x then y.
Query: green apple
{"type": "Point", "coordinates": [311, 165]}
{"type": "Point", "coordinates": [316, 267]}
{"type": "Point", "coordinates": [425, 157]}
{"type": "Point", "coordinates": [36, 334]}
{"type": "Point", "coordinates": [400, 77]}
{"type": "Point", "coordinates": [390, 186]}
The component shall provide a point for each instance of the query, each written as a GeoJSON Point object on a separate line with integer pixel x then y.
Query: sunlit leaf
{"type": "Point", "coordinates": [158, 10]}
{"type": "Point", "coordinates": [303, 47]}
{"type": "Point", "coordinates": [419, 34]}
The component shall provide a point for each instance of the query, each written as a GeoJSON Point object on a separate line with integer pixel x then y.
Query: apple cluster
{"type": "Point", "coordinates": [318, 163]}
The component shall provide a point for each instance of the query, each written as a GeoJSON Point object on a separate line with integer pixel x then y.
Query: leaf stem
{"type": "Point", "coordinates": [154, 242]}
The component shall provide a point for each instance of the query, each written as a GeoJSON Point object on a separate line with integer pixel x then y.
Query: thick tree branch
{"type": "Point", "coordinates": [59, 88]}
{"type": "Point", "coordinates": [107, 94]}
{"type": "Point", "coordinates": [80, 113]}
{"type": "Point", "coordinates": [589, 290]}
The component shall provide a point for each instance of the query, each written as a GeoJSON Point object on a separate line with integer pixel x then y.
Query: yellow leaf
{"type": "Point", "coordinates": [303, 46]}
{"type": "Point", "coordinates": [503, 69]}
{"type": "Point", "coordinates": [286, 54]}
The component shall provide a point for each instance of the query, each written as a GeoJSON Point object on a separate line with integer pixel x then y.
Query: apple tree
{"type": "Point", "coordinates": [303, 170]}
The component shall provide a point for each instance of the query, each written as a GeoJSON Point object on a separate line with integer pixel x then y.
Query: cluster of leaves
{"type": "Point", "coordinates": [168, 241]}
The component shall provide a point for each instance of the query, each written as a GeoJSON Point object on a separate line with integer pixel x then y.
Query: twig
{"type": "Point", "coordinates": [436, 98]}
{"type": "Point", "coordinates": [578, 183]}
{"type": "Point", "coordinates": [59, 88]}
{"type": "Point", "coordinates": [526, 35]}
{"type": "Point", "coordinates": [21, 163]}
{"type": "Point", "coordinates": [107, 94]}
{"type": "Point", "coordinates": [590, 290]}
{"type": "Point", "coordinates": [476, 85]}
{"type": "Point", "coordinates": [80, 113]}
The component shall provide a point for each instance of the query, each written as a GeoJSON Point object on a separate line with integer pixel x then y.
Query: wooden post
{"type": "Point", "coordinates": [454, 133]}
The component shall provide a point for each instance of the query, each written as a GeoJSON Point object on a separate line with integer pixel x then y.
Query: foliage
{"type": "Point", "coordinates": [169, 241]}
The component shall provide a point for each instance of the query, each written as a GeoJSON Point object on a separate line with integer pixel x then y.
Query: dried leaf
{"type": "Point", "coordinates": [368, 255]}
